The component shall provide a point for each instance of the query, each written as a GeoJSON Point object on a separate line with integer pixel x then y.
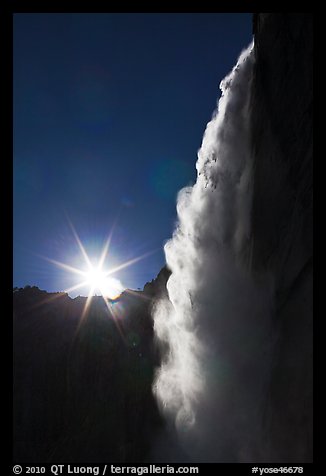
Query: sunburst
{"type": "Point", "coordinates": [96, 277]}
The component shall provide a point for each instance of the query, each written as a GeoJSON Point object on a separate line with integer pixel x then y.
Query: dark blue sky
{"type": "Point", "coordinates": [109, 112]}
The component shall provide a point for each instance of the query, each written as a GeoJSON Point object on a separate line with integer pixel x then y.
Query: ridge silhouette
{"type": "Point", "coordinates": [82, 390]}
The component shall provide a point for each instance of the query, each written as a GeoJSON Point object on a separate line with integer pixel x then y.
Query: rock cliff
{"type": "Point", "coordinates": [282, 139]}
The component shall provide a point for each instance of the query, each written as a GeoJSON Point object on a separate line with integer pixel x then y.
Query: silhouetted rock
{"type": "Point", "coordinates": [82, 384]}
{"type": "Point", "coordinates": [282, 221]}
{"type": "Point", "coordinates": [157, 287]}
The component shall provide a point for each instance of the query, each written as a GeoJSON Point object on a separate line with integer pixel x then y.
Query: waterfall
{"type": "Point", "coordinates": [214, 326]}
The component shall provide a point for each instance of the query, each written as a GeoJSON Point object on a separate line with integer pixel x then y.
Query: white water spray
{"type": "Point", "coordinates": [215, 324]}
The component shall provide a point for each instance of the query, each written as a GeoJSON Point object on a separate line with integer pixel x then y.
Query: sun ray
{"type": "Point", "coordinates": [107, 244]}
{"type": "Point", "coordinates": [80, 244]}
{"type": "Point", "coordinates": [67, 267]}
{"type": "Point", "coordinates": [77, 286]}
{"type": "Point", "coordinates": [129, 263]}
{"type": "Point", "coordinates": [86, 306]}
{"type": "Point", "coordinates": [105, 251]}
{"type": "Point", "coordinates": [47, 300]}
{"type": "Point", "coordinates": [116, 321]}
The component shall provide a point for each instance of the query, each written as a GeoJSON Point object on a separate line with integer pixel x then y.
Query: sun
{"type": "Point", "coordinates": [98, 281]}
{"type": "Point", "coordinates": [96, 278]}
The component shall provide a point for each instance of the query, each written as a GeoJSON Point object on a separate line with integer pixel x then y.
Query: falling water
{"type": "Point", "coordinates": [214, 326]}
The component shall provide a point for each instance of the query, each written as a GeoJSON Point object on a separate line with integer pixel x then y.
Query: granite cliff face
{"type": "Point", "coordinates": [282, 140]}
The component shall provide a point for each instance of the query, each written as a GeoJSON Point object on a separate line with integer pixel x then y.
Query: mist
{"type": "Point", "coordinates": [214, 329]}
